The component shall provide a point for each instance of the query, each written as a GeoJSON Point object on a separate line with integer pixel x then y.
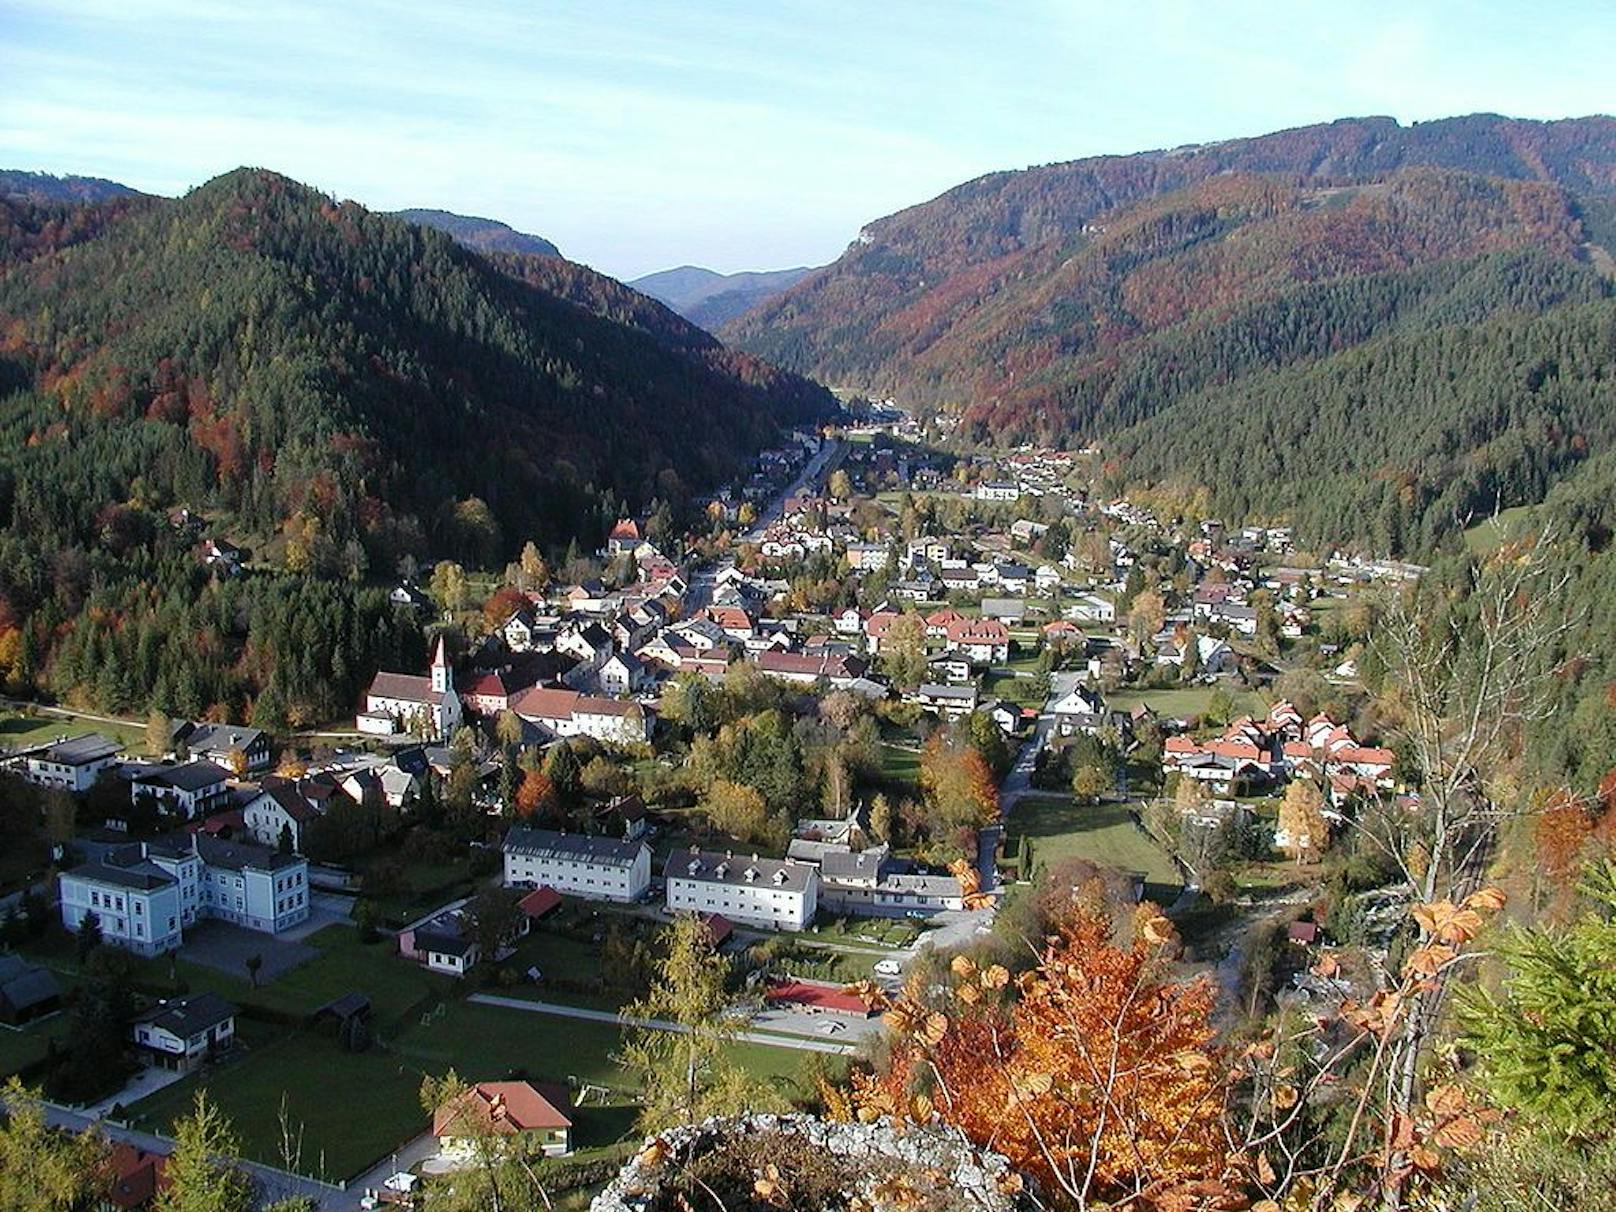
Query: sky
{"type": "Point", "coordinates": [747, 135]}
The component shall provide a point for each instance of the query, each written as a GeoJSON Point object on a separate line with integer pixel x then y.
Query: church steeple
{"type": "Point", "coordinates": [442, 674]}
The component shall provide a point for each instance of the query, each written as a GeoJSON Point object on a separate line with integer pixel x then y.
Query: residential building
{"type": "Point", "coordinates": [596, 868]}
{"type": "Point", "coordinates": [224, 744]}
{"type": "Point", "coordinates": [982, 641]}
{"type": "Point", "coordinates": [27, 991]}
{"type": "Point", "coordinates": [185, 790]}
{"type": "Point", "coordinates": [945, 700]}
{"type": "Point", "coordinates": [568, 713]}
{"type": "Point", "coordinates": [771, 893]}
{"type": "Point", "coordinates": [73, 764]}
{"type": "Point", "coordinates": [184, 1032]}
{"type": "Point", "coordinates": [997, 490]}
{"type": "Point", "coordinates": [519, 1111]}
{"type": "Point", "coordinates": [136, 902]}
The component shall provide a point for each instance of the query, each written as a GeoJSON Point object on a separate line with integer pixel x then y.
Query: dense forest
{"type": "Point", "coordinates": [1371, 331]}
{"type": "Point", "coordinates": [335, 389]}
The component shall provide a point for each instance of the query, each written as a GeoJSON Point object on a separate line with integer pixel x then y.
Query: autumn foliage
{"type": "Point", "coordinates": [1095, 1054]}
{"type": "Point", "coordinates": [536, 795]}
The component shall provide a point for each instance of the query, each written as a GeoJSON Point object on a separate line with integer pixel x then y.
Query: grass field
{"type": "Point", "coordinates": [1488, 535]}
{"type": "Point", "coordinates": [1184, 702]}
{"type": "Point", "coordinates": [362, 1106]}
{"type": "Point", "coordinates": [17, 729]}
{"type": "Point", "coordinates": [1021, 691]}
{"type": "Point", "coordinates": [24, 1046]}
{"type": "Point", "coordinates": [900, 765]}
{"type": "Point", "coordinates": [1103, 833]}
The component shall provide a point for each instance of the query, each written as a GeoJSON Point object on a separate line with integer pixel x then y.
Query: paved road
{"type": "Point", "coordinates": [771, 512]}
{"type": "Point", "coordinates": [273, 1184]}
{"type": "Point", "coordinates": [656, 1024]}
{"type": "Point", "coordinates": [1019, 781]}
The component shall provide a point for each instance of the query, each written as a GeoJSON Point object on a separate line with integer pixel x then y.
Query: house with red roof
{"type": "Point", "coordinates": [518, 1111]}
{"type": "Point", "coordinates": [982, 641]}
{"type": "Point", "coordinates": [814, 997]}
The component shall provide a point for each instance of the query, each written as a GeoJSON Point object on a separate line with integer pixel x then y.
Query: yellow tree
{"type": "Point", "coordinates": [1301, 817]}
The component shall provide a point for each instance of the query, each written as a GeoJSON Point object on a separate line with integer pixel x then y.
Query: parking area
{"type": "Point", "coordinates": [226, 948]}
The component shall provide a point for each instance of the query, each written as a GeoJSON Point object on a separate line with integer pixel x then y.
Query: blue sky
{"type": "Point", "coordinates": [736, 135]}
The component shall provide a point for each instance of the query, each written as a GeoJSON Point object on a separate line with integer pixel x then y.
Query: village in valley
{"type": "Point", "coordinates": [873, 695]}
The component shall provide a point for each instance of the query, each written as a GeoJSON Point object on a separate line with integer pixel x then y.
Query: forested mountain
{"type": "Point", "coordinates": [1371, 330]}
{"type": "Point", "coordinates": [46, 187]}
{"type": "Point", "coordinates": [337, 389]}
{"type": "Point", "coordinates": [483, 235]}
{"type": "Point", "coordinates": [711, 299]}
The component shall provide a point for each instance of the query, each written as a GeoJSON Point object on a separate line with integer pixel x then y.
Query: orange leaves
{"type": "Point", "coordinates": [1098, 1053]}
{"type": "Point", "coordinates": [1458, 924]}
{"type": "Point", "coordinates": [1153, 926]}
{"type": "Point", "coordinates": [871, 994]}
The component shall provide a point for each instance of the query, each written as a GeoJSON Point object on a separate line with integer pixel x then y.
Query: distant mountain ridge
{"type": "Point", "coordinates": [47, 187]}
{"type": "Point", "coordinates": [482, 235]}
{"type": "Point", "coordinates": [1371, 331]}
{"type": "Point", "coordinates": [708, 298]}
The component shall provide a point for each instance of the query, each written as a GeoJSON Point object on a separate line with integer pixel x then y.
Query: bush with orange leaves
{"type": "Point", "coordinates": [1094, 1073]}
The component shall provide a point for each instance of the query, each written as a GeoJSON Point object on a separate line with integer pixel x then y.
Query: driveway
{"type": "Point", "coordinates": [655, 1024]}
{"type": "Point", "coordinates": [226, 948]}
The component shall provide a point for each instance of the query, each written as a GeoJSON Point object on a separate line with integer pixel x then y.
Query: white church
{"type": "Point", "coordinates": [406, 702]}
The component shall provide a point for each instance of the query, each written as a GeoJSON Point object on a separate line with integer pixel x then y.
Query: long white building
{"type": "Point", "coordinates": [773, 893]}
{"type": "Point", "coordinates": [596, 868]}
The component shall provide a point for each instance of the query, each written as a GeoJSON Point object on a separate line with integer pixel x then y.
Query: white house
{"type": "Point", "coordinates": [278, 806]}
{"type": "Point", "coordinates": [622, 674]}
{"type": "Point", "coordinates": [774, 894]}
{"type": "Point", "coordinates": [997, 490]}
{"type": "Point", "coordinates": [401, 702]}
{"type": "Point", "coordinates": [75, 764]}
{"type": "Point", "coordinates": [597, 868]}
{"type": "Point", "coordinates": [183, 1032]}
{"type": "Point", "coordinates": [187, 790]}
{"type": "Point", "coordinates": [568, 713]}
{"type": "Point", "coordinates": [1091, 608]}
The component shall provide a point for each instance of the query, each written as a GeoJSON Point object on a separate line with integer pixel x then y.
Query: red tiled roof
{"type": "Point", "coordinates": [503, 1107]}
{"type": "Point", "coordinates": [815, 996]}
{"type": "Point", "coordinates": [539, 902]}
{"type": "Point", "coordinates": [719, 928]}
{"type": "Point", "coordinates": [136, 1176]}
{"type": "Point", "coordinates": [628, 528]}
{"type": "Point", "coordinates": [404, 687]}
{"type": "Point", "coordinates": [978, 631]}
{"type": "Point", "coordinates": [542, 703]}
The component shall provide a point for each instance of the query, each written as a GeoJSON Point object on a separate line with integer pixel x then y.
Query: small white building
{"type": "Point", "coordinates": [183, 1032]}
{"type": "Point", "coordinates": [772, 893]}
{"type": "Point", "coordinates": [568, 713]}
{"type": "Point", "coordinates": [74, 764]}
{"type": "Point", "coordinates": [596, 868]}
{"type": "Point", "coordinates": [186, 790]}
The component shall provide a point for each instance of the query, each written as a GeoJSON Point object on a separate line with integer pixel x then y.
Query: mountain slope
{"type": "Point", "coordinates": [937, 303]}
{"type": "Point", "coordinates": [483, 235]}
{"type": "Point", "coordinates": [257, 347]}
{"type": "Point", "coordinates": [709, 299]}
{"type": "Point", "coordinates": [338, 390]}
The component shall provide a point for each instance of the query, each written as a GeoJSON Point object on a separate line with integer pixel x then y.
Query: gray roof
{"type": "Point", "coordinates": [81, 750]}
{"type": "Point", "coordinates": [574, 847]}
{"type": "Point", "coordinates": [934, 690]}
{"type": "Point", "coordinates": [187, 776]}
{"type": "Point", "coordinates": [711, 867]}
{"type": "Point", "coordinates": [243, 856]}
{"type": "Point", "coordinates": [218, 738]}
{"type": "Point", "coordinates": [844, 864]}
{"type": "Point", "coordinates": [23, 985]}
{"type": "Point", "coordinates": [188, 1016]}
{"type": "Point", "coordinates": [138, 876]}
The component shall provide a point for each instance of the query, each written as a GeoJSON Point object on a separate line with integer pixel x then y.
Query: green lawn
{"type": "Point", "coordinates": [361, 1106]}
{"type": "Point", "coordinates": [900, 765]}
{"type": "Point", "coordinates": [18, 729]}
{"type": "Point", "coordinates": [1489, 534]}
{"type": "Point", "coordinates": [429, 883]}
{"type": "Point", "coordinates": [345, 965]}
{"type": "Point", "coordinates": [24, 1046]}
{"type": "Point", "coordinates": [1184, 702]}
{"type": "Point", "coordinates": [1021, 691]}
{"type": "Point", "coordinates": [1104, 833]}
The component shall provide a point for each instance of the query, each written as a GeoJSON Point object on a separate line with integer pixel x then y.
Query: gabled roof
{"type": "Point", "coordinates": [81, 750]}
{"type": "Point", "coordinates": [189, 1016]}
{"type": "Point", "coordinates": [503, 1107]}
{"type": "Point", "coordinates": [572, 847]}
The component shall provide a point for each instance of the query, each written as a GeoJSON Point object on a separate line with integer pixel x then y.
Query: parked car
{"type": "Point", "coordinates": [888, 967]}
